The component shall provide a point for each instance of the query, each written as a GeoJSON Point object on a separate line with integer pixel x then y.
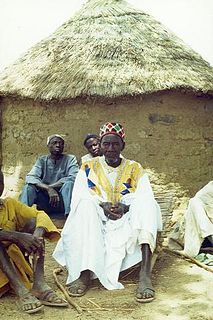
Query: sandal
{"type": "Point", "coordinates": [140, 295]}
{"type": "Point", "coordinates": [77, 288]}
{"type": "Point", "coordinates": [50, 298]}
{"type": "Point", "coordinates": [30, 304]}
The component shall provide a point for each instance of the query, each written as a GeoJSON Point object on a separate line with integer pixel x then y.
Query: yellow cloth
{"type": "Point", "coordinates": [13, 217]}
{"type": "Point", "coordinates": [128, 174]}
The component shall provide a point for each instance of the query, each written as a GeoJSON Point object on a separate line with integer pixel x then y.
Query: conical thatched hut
{"type": "Point", "coordinates": [112, 62]}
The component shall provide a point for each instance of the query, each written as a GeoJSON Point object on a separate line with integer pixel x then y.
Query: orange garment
{"type": "Point", "coordinates": [13, 217]}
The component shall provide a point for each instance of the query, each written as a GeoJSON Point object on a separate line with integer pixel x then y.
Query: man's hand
{"type": "Point", "coordinates": [114, 212]}
{"type": "Point", "coordinates": [52, 193]}
{"type": "Point", "coordinates": [28, 242]}
{"type": "Point", "coordinates": [53, 197]}
{"type": "Point", "coordinates": [106, 206]}
{"type": "Point", "coordinates": [120, 208]}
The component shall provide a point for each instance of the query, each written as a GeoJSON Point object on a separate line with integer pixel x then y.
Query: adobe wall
{"type": "Point", "coordinates": [171, 134]}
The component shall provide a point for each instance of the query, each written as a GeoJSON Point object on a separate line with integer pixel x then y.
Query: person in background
{"type": "Point", "coordinates": [199, 220]}
{"type": "Point", "coordinates": [92, 144]}
{"type": "Point", "coordinates": [113, 221]}
{"type": "Point", "coordinates": [194, 230]}
{"type": "Point", "coordinates": [22, 233]}
{"type": "Point", "coordinates": [50, 182]}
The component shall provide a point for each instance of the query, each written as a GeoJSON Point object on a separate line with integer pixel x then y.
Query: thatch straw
{"type": "Point", "coordinates": [108, 49]}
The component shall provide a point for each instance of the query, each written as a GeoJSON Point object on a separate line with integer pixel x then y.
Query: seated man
{"type": "Point", "coordinates": [199, 220]}
{"type": "Point", "coordinates": [196, 225]}
{"type": "Point", "coordinates": [50, 182]}
{"type": "Point", "coordinates": [114, 221]}
{"type": "Point", "coordinates": [16, 222]}
{"type": "Point", "coordinates": [92, 144]}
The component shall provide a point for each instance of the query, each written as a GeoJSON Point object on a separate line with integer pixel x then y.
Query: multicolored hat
{"type": "Point", "coordinates": [112, 128]}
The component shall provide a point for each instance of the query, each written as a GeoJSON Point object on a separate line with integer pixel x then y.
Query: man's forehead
{"type": "Point", "coordinates": [55, 135]}
{"type": "Point", "coordinates": [92, 140]}
{"type": "Point", "coordinates": [111, 138]}
{"type": "Point", "coordinates": [54, 139]}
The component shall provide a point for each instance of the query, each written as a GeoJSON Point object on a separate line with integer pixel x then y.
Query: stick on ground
{"type": "Point", "coordinates": [185, 256]}
{"type": "Point", "coordinates": [61, 287]}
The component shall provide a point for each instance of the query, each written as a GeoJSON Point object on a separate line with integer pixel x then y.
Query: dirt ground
{"type": "Point", "coordinates": [183, 291]}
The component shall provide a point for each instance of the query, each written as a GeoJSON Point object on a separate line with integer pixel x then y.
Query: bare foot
{"type": "Point", "coordinates": [145, 291]}
{"type": "Point", "coordinates": [79, 287]}
{"type": "Point", "coordinates": [29, 303]}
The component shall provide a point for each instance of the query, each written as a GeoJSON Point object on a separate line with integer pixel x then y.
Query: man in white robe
{"type": "Point", "coordinates": [199, 220]}
{"type": "Point", "coordinates": [196, 225]}
{"type": "Point", "coordinates": [113, 221]}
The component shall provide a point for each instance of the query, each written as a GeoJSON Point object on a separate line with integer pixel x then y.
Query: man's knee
{"type": "Point", "coordinates": [195, 205]}
{"type": "Point", "coordinates": [67, 187]}
{"type": "Point", "coordinates": [88, 203]}
{"type": "Point", "coordinates": [28, 191]}
{"type": "Point", "coordinates": [87, 208]}
{"type": "Point", "coordinates": [28, 194]}
{"type": "Point", "coordinates": [30, 188]}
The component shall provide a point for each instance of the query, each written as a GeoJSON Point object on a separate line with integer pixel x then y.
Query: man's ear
{"type": "Point", "coordinates": [123, 146]}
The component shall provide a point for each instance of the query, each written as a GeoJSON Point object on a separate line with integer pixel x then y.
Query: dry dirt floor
{"type": "Point", "coordinates": [183, 291]}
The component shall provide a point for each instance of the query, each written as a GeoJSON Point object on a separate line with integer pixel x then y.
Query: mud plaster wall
{"type": "Point", "coordinates": [170, 134]}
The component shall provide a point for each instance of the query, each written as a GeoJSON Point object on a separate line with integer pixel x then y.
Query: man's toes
{"type": "Point", "coordinates": [77, 288]}
{"type": "Point", "coordinates": [57, 300]}
{"type": "Point", "coordinates": [139, 295]}
{"type": "Point", "coordinates": [81, 290]}
{"type": "Point", "coordinates": [145, 295]}
{"type": "Point", "coordinates": [31, 306]}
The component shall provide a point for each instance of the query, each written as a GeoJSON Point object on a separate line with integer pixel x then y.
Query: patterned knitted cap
{"type": "Point", "coordinates": [112, 128]}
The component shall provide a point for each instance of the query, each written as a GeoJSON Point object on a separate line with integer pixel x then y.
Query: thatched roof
{"type": "Point", "coordinates": [108, 49]}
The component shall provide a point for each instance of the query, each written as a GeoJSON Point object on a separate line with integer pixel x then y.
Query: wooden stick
{"type": "Point", "coordinates": [107, 309]}
{"type": "Point", "coordinates": [94, 303]}
{"type": "Point", "coordinates": [185, 256]}
{"type": "Point", "coordinates": [154, 258]}
{"type": "Point", "coordinates": [130, 272]}
{"type": "Point", "coordinates": [61, 287]}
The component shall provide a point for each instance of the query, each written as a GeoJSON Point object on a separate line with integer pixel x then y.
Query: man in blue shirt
{"type": "Point", "coordinates": [50, 182]}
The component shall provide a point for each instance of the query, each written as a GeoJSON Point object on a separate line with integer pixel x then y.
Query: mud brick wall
{"type": "Point", "coordinates": [170, 134]}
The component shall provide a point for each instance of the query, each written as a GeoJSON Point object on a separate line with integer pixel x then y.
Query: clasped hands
{"type": "Point", "coordinates": [31, 244]}
{"type": "Point", "coordinates": [114, 211]}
